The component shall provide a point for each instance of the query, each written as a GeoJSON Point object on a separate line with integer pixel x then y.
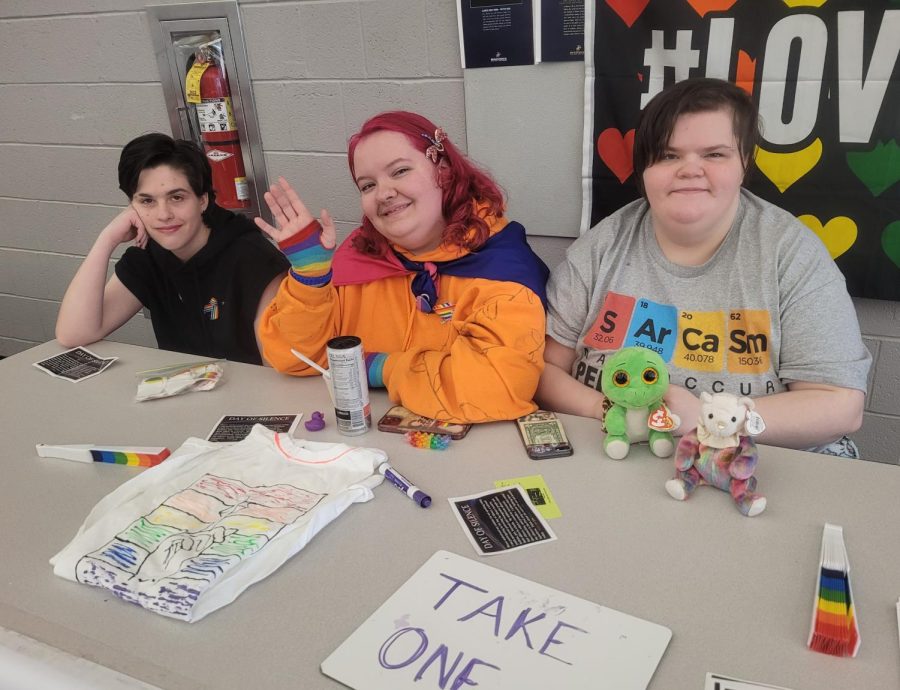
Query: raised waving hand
{"type": "Point", "coordinates": [291, 215]}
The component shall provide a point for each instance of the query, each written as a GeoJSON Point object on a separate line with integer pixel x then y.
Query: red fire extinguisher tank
{"type": "Point", "coordinates": [221, 141]}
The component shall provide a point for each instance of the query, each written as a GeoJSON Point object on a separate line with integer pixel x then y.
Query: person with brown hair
{"type": "Point", "coordinates": [734, 293]}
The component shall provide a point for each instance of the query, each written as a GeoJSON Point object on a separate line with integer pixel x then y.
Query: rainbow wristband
{"type": "Point", "coordinates": [310, 261]}
{"type": "Point", "coordinates": [375, 368]}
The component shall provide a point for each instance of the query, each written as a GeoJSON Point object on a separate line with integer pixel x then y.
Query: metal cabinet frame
{"type": "Point", "coordinates": [167, 22]}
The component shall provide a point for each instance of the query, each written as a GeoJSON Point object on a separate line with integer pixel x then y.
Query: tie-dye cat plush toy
{"type": "Point", "coordinates": [634, 381]}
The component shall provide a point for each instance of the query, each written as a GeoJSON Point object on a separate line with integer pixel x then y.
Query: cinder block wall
{"type": "Point", "coordinates": [79, 79]}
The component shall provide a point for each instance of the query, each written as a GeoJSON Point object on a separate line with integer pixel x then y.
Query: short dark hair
{"type": "Point", "coordinates": [697, 95]}
{"type": "Point", "coordinates": [155, 149]}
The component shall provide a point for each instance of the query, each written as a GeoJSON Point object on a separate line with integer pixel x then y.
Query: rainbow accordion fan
{"type": "Point", "coordinates": [834, 629]}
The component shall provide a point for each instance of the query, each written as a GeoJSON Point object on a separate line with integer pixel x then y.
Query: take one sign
{"type": "Point", "coordinates": [458, 623]}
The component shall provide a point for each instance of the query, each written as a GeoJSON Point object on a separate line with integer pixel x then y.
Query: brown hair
{"type": "Point", "coordinates": [699, 95]}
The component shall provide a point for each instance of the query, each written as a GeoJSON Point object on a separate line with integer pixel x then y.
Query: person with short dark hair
{"type": "Point", "coordinates": [658, 119]}
{"type": "Point", "coordinates": [203, 272]}
{"type": "Point", "coordinates": [734, 293]}
{"type": "Point", "coordinates": [443, 290]}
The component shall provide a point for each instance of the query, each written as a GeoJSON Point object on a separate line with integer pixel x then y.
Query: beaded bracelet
{"type": "Point", "coordinates": [428, 440]}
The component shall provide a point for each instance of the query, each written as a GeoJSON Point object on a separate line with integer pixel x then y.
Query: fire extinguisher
{"type": "Point", "coordinates": [207, 87]}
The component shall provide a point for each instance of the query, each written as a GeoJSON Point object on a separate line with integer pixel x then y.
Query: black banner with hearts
{"type": "Point", "coordinates": [825, 75]}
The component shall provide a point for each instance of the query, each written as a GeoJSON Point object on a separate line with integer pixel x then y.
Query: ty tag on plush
{"type": "Point", "coordinates": [754, 424]}
{"type": "Point", "coordinates": [662, 419]}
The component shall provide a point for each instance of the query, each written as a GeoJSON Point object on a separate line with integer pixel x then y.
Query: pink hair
{"type": "Point", "coordinates": [461, 181]}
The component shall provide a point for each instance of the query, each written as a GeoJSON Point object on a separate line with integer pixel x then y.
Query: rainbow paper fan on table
{"type": "Point", "coordinates": [835, 629]}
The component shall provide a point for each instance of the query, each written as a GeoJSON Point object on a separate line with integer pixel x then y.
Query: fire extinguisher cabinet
{"type": "Point", "coordinates": [206, 82]}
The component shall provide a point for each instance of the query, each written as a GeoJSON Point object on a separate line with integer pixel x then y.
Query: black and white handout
{"type": "Point", "coordinates": [501, 520]}
{"type": "Point", "coordinates": [75, 365]}
{"type": "Point", "coordinates": [236, 427]}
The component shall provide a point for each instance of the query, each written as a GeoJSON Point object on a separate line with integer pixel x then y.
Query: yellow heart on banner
{"type": "Point", "coordinates": [784, 169]}
{"type": "Point", "coordinates": [838, 234]}
{"type": "Point", "coordinates": [805, 3]}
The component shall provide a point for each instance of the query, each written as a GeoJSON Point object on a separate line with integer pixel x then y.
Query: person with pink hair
{"type": "Point", "coordinates": [443, 290]}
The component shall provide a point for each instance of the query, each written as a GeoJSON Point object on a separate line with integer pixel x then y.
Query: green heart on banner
{"type": "Point", "coordinates": [890, 242]}
{"type": "Point", "coordinates": [877, 169]}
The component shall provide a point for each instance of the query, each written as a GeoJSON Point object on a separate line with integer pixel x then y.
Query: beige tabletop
{"type": "Point", "coordinates": [736, 592]}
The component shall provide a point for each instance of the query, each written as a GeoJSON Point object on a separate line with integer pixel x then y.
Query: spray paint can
{"type": "Point", "coordinates": [350, 384]}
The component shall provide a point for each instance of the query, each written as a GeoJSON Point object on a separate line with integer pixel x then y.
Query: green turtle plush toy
{"type": "Point", "coordinates": [634, 381]}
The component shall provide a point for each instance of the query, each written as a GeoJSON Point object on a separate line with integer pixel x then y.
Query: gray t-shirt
{"type": "Point", "coordinates": [770, 307]}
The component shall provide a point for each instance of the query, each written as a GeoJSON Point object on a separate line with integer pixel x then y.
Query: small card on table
{"type": "Point", "coordinates": [75, 365]}
{"type": "Point", "coordinates": [501, 520]}
{"type": "Point", "coordinates": [714, 681]}
{"type": "Point", "coordinates": [538, 493]}
{"type": "Point", "coordinates": [236, 427]}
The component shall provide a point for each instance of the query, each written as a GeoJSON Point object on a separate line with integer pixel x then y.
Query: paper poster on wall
{"type": "Point", "coordinates": [458, 623]}
{"type": "Point", "coordinates": [561, 30]}
{"type": "Point", "coordinates": [826, 78]}
{"type": "Point", "coordinates": [495, 34]}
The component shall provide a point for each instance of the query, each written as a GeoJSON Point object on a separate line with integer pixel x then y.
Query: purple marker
{"type": "Point", "coordinates": [406, 486]}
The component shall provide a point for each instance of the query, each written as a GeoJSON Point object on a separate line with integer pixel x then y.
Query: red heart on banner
{"type": "Point", "coordinates": [616, 151]}
{"type": "Point", "coordinates": [628, 10]}
{"type": "Point", "coordinates": [701, 7]}
{"type": "Point", "coordinates": [745, 75]}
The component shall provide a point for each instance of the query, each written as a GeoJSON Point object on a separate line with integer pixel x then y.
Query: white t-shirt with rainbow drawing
{"type": "Point", "coordinates": [186, 537]}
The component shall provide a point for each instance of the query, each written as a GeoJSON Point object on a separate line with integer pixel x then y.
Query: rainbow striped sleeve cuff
{"type": "Point", "coordinates": [375, 368]}
{"type": "Point", "coordinates": [310, 261]}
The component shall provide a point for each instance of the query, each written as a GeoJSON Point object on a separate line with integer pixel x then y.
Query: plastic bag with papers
{"type": "Point", "coordinates": [178, 379]}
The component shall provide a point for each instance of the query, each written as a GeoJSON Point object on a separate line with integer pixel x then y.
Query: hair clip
{"type": "Point", "coordinates": [437, 148]}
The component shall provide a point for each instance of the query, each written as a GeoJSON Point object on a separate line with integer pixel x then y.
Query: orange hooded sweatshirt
{"type": "Point", "coordinates": [480, 364]}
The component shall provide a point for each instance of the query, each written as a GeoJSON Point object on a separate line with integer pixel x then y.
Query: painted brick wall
{"type": "Point", "coordinates": [69, 101]}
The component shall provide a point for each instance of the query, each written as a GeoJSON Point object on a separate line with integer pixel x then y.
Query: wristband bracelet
{"type": "Point", "coordinates": [375, 368]}
{"type": "Point", "coordinates": [310, 261]}
{"type": "Point", "coordinates": [313, 281]}
{"type": "Point", "coordinates": [300, 236]}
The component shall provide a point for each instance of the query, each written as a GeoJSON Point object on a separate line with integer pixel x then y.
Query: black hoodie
{"type": "Point", "coordinates": [207, 305]}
